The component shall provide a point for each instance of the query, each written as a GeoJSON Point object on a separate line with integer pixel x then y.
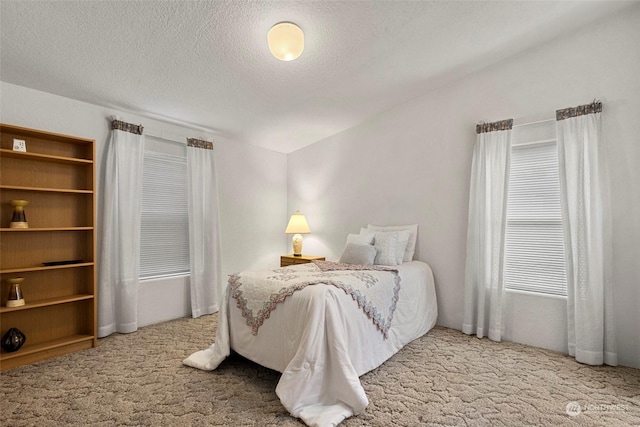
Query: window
{"type": "Point", "coordinates": [164, 228]}
{"type": "Point", "coordinates": [534, 251]}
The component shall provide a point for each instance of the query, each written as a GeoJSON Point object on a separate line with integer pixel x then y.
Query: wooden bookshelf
{"type": "Point", "coordinates": [57, 176]}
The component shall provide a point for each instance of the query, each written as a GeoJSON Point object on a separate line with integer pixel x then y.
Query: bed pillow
{"type": "Point", "coordinates": [413, 237]}
{"type": "Point", "coordinates": [363, 238]}
{"type": "Point", "coordinates": [360, 254]}
{"type": "Point", "coordinates": [403, 238]}
{"type": "Point", "coordinates": [386, 244]}
{"type": "Point", "coordinates": [370, 234]}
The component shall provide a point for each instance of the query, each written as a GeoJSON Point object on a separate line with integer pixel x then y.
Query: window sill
{"type": "Point", "coordinates": [535, 294]}
{"type": "Point", "coordinates": [164, 276]}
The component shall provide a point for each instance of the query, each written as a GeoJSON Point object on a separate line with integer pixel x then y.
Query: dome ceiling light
{"type": "Point", "coordinates": [286, 41]}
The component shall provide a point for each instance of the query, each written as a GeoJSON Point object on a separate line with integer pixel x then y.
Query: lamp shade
{"type": "Point", "coordinates": [297, 224]}
{"type": "Point", "coordinates": [286, 41]}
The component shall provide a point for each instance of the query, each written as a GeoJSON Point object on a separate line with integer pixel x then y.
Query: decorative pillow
{"type": "Point", "coordinates": [355, 253]}
{"type": "Point", "coordinates": [403, 237]}
{"type": "Point", "coordinates": [386, 244]}
{"type": "Point", "coordinates": [413, 237]}
{"type": "Point", "coordinates": [361, 239]}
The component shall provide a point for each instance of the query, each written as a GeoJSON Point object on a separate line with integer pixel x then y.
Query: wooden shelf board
{"type": "Point", "coordinates": [36, 133]}
{"type": "Point", "coordinates": [45, 346]}
{"type": "Point", "coordinates": [53, 190]}
{"type": "Point", "coordinates": [47, 302]}
{"type": "Point", "coordinates": [44, 268]}
{"type": "Point", "coordinates": [25, 230]}
{"type": "Point", "coordinates": [43, 157]}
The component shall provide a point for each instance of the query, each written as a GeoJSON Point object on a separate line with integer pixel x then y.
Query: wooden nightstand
{"type": "Point", "coordinates": [286, 260]}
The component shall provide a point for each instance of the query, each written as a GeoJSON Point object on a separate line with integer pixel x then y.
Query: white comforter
{"type": "Point", "coordinates": [322, 343]}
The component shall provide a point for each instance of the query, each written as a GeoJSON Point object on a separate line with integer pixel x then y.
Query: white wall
{"type": "Point", "coordinates": [251, 185]}
{"type": "Point", "coordinates": [412, 165]}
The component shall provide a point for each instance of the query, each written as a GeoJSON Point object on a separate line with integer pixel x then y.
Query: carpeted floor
{"type": "Point", "coordinates": [443, 378]}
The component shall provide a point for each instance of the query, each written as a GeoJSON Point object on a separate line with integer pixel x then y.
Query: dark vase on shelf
{"type": "Point", "coordinates": [13, 340]}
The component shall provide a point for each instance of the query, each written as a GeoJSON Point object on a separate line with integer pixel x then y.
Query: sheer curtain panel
{"type": "Point", "coordinates": [120, 256]}
{"type": "Point", "coordinates": [204, 245]}
{"type": "Point", "coordinates": [484, 281]}
{"type": "Point", "coordinates": [586, 219]}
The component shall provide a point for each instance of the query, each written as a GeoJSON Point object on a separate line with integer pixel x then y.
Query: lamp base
{"type": "Point", "coordinates": [296, 242]}
{"type": "Point", "coordinates": [15, 303]}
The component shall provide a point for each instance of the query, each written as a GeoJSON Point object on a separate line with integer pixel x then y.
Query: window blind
{"type": "Point", "coordinates": [534, 248]}
{"type": "Point", "coordinates": [164, 228]}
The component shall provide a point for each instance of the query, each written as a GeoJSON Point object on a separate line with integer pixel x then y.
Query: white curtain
{"type": "Point", "coordinates": [120, 257]}
{"type": "Point", "coordinates": [484, 285]}
{"type": "Point", "coordinates": [204, 244]}
{"type": "Point", "coordinates": [586, 221]}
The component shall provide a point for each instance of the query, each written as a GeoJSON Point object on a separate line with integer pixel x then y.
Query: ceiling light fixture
{"type": "Point", "coordinates": [286, 41]}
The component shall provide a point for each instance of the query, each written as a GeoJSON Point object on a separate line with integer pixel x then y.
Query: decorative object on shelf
{"type": "Point", "coordinates": [71, 261]}
{"type": "Point", "coordinates": [297, 226]}
{"type": "Point", "coordinates": [19, 145]}
{"type": "Point", "coordinates": [15, 293]}
{"type": "Point", "coordinates": [13, 340]}
{"type": "Point", "coordinates": [19, 219]}
{"type": "Point", "coordinates": [286, 41]}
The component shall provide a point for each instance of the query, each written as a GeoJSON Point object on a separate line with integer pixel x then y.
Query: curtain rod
{"type": "Point", "coordinates": [534, 123]}
{"type": "Point", "coordinates": [166, 136]}
{"type": "Point", "coordinates": [166, 121]}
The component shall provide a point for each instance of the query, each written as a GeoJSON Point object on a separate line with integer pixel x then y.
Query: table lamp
{"type": "Point", "coordinates": [297, 226]}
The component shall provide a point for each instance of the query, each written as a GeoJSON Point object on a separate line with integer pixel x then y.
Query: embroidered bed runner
{"type": "Point", "coordinates": [374, 288]}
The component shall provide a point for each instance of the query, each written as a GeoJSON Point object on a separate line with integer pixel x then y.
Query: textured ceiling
{"type": "Point", "coordinates": [207, 63]}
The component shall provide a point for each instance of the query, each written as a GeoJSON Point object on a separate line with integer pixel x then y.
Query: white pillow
{"type": "Point", "coordinates": [403, 241]}
{"type": "Point", "coordinates": [403, 238]}
{"type": "Point", "coordinates": [369, 233]}
{"type": "Point", "coordinates": [361, 239]}
{"type": "Point", "coordinates": [354, 253]}
{"type": "Point", "coordinates": [386, 244]}
{"type": "Point", "coordinates": [413, 237]}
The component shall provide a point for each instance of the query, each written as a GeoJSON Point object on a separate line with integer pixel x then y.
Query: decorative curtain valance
{"type": "Point", "coordinates": [199, 143]}
{"type": "Point", "coordinates": [126, 127]}
{"type": "Point", "coordinates": [567, 113]}
{"type": "Point", "coordinates": [495, 126]}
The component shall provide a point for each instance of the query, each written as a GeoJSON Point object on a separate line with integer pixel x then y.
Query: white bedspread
{"type": "Point", "coordinates": [322, 343]}
{"type": "Point", "coordinates": [374, 288]}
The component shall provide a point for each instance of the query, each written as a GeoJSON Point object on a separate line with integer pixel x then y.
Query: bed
{"type": "Point", "coordinates": [321, 337]}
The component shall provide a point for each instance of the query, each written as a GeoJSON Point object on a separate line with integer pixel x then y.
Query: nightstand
{"type": "Point", "coordinates": [286, 260]}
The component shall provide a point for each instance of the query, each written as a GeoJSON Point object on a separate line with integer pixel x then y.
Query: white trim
{"type": "Point", "coordinates": [164, 276]}
{"type": "Point", "coordinates": [155, 133]}
{"type": "Point", "coordinates": [534, 123]}
{"type": "Point", "coordinates": [535, 294]}
{"type": "Point", "coordinates": [541, 141]}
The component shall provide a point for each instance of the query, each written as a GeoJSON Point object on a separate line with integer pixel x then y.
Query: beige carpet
{"type": "Point", "coordinates": [443, 378]}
